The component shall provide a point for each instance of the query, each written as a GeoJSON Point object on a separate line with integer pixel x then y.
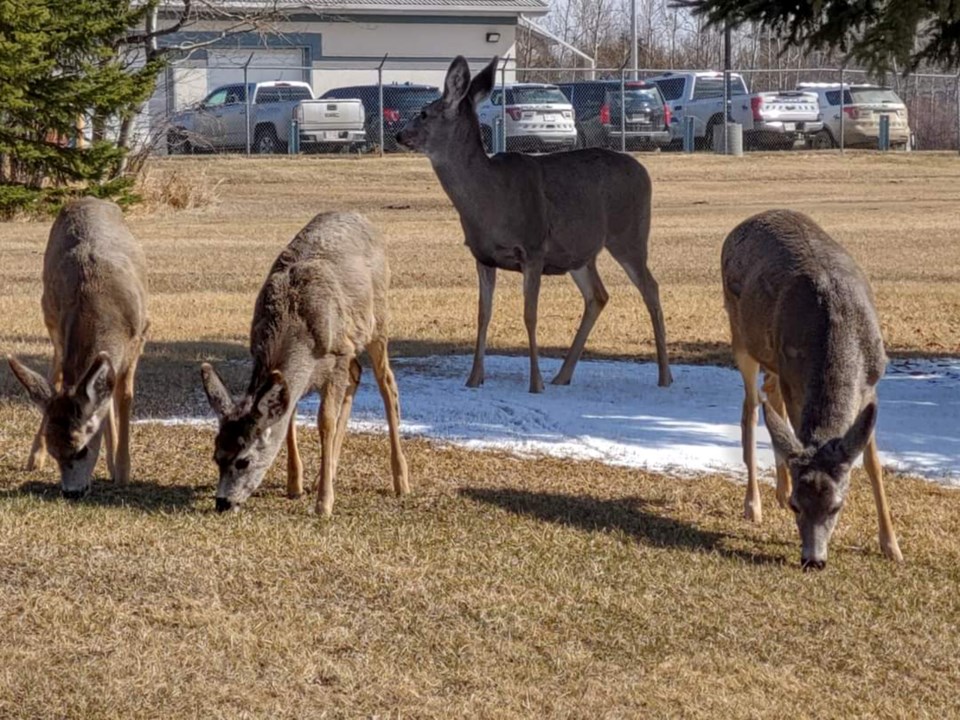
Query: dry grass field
{"type": "Point", "coordinates": [502, 587]}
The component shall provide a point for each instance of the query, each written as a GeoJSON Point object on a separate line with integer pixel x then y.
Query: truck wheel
{"type": "Point", "coordinates": [706, 142]}
{"type": "Point", "coordinates": [822, 140]}
{"type": "Point", "coordinates": [178, 144]}
{"type": "Point", "coordinates": [265, 141]}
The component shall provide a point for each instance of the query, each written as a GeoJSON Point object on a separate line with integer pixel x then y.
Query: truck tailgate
{"type": "Point", "coordinates": [331, 114]}
{"type": "Point", "coordinates": [789, 106]}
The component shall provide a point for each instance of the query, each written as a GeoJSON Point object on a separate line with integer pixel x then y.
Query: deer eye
{"type": "Point", "coordinates": [242, 464]}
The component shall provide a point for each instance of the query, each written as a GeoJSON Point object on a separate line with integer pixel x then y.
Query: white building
{"type": "Point", "coordinates": [342, 42]}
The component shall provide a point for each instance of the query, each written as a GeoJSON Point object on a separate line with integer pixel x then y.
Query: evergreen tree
{"type": "Point", "coordinates": [63, 64]}
{"type": "Point", "coordinates": [882, 35]}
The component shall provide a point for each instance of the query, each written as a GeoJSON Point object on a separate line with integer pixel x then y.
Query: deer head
{"type": "Point", "coordinates": [250, 434]}
{"type": "Point", "coordinates": [451, 121]}
{"type": "Point", "coordinates": [821, 478]}
{"type": "Point", "coordinates": [73, 419]}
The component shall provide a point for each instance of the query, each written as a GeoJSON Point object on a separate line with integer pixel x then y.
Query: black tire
{"type": "Point", "coordinates": [177, 144]}
{"type": "Point", "coordinates": [265, 141]}
{"type": "Point", "coordinates": [822, 140]}
{"type": "Point", "coordinates": [707, 140]}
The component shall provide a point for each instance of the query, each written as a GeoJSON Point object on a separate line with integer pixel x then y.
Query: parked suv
{"type": "Point", "coordinates": [538, 117]}
{"type": "Point", "coordinates": [863, 106]}
{"type": "Point", "coordinates": [597, 107]}
{"type": "Point", "coordinates": [401, 103]}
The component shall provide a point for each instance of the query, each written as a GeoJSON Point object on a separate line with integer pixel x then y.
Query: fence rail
{"type": "Point", "coordinates": [609, 107]}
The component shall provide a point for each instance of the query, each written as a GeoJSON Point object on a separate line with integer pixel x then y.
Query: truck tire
{"type": "Point", "coordinates": [822, 140]}
{"type": "Point", "coordinates": [265, 141]}
{"type": "Point", "coordinates": [706, 142]}
{"type": "Point", "coordinates": [177, 144]}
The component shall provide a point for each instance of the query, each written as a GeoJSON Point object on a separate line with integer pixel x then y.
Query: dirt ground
{"type": "Point", "coordinates": [502, 587]}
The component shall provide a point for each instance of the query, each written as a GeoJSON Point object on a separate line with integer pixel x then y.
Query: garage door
{"type": "Point", "coordinates": [226, 66]}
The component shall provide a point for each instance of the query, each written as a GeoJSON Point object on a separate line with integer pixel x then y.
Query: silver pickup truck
{"type": "Point", "coordinates": [331, 124]}
{"type": "Point", "coordinates": [219, 121]}
{"type": "Point", "coordinates": [771, 120]}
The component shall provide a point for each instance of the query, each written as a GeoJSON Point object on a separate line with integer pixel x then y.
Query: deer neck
{"type": "Point", "coordinates": [833, 397]}
{"type": "Point", "coordinates": [296, 364]}
{"type": "Point", "coordinates": [466, 174]}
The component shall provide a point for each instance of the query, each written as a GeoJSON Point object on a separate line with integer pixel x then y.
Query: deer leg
{"type": "Point", "coordinates": [294, 463]}
{"type": "Point", "coordinates": [38, 450]}
{"type": "Point", "coordinates": [110, 434]}
{"type": "Point", "coordinates": [125, 406]}
{"type": "Point", "coordinates": [353, 380]}
{"type": "Point", "coordinates": [888, 538]}
{"type": "Point", "coordinates": [749, 369]}
{"type": "Point", "coordinates": [650, 292]}
{"type": "Point", "coordinates": [771, 387]}
{"type": "Point", "coordinates": [391, 403]}
{"type": "Point", "coordinates": [595, 298]}
{"type": "Point", "coordinates": [531, 297]}
{"type": "Point", "coordinates": [488, 281]}
{"type": "Point", "coordinates": [331, 397]}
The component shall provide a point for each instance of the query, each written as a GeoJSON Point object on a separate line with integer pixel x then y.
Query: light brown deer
{"type": "Point", "coordinates": [94, 307]}
{"type": "Point", "coordinates": [323, 302]}
{"type": "Point", "coordinates": [801, 310]}
{"type": "Point", "coordinates": [546, 215]}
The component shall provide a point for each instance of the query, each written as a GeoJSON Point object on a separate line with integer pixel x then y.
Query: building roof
{"type": "Point", "coordinates": [398, 7]}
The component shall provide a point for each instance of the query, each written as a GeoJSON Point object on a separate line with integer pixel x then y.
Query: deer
{"type": "Point", "coordinates": [324, 302]}
{"type": "Point", "coordinates": [538, 215]}
{"type": "Point", "coordinates": [94, 305]}
{"type": "Point", "coordinates": [802, 310]}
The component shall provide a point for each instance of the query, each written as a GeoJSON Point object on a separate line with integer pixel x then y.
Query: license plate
{"type": "Point", "coordinates": [789, 127]}
{"type": "Point", "coordinates": [641, 118]}
{"type": "Point", "coordinates": [549, 118]}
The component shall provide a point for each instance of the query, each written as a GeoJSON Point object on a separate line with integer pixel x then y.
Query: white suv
{"type": "Point", "coordinates": [863, 106]}
{"type": "Point", "coordinates": [538, 117]}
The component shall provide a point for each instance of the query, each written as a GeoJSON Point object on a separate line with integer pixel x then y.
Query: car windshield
{"type": "Point", "coordinates": [712, 87]}
{"type": "Point", "coordinates": [636, 96]}
{"type": "Point", "coordinates": [409, 99]}
{"type": "Point", "coordinates": [874, 96]}
{"type": "Point", "coordinates": [538, 96]}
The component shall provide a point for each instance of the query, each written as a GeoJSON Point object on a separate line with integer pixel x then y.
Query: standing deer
{"type": "Point", "coordinates": [801, 309]}
{"type": "Point", "coordinates": [323, 303]}
{"type": "Point", "coordinates": [538, 215]}
{"type": "Point", "coordinates": [94, 307]}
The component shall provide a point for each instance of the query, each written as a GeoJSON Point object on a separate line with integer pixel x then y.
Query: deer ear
{"type": "Point", "coordinates": [36, 385]}
{"type": "Point", "coordinates": [457, 82]}
{"type": "Point", "coordinates": [785, 443]}
{"type": "Point", "coordinates": [273, 399]}
{"type": "Point", "coordinates": [483, 82]}
{"type": "Point", "coordinates": [98, 381]}
{"type": "Point", "coordinates": [217, 393]}
{"type": "Point", "coordinates": [857, 437]}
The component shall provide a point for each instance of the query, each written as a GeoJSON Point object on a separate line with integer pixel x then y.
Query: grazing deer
{"type": "Point", "coordinates": [323, 303]}
{"type": "Point", "coordinates": [538, 215]}
{"type": "Point", "coordinates": [94, 307]}
{"type": "Point", "coordinates": [801, 309]}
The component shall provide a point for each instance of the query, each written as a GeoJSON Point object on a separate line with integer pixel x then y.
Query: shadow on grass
{"type": "Point", "coordinates": [631, 516]}
{"type": "Point", "coordinates": [148, 497]}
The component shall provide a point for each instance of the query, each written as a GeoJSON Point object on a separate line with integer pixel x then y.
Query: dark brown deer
{"type": "Point", "coordinates": [550, 215]}
{"type": "Point", "coordinates": [94, 307]}
{"type": "Point", "coordinates": [323, 303]}
{"type": "Point", "coordinates": [802, 311]}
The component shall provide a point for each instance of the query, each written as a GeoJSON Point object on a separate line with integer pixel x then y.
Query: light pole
{"type": "Point", "coordinates": [633, 38]}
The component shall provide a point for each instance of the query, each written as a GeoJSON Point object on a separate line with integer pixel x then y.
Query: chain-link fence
{"type": "Point", "coordinates": [331, 107]}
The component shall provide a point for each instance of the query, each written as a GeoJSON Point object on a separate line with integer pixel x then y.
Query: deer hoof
{"type": "Point", "coordinates": [536, 386]}
{"type": "Point", "coordinates": [474, 382]}
{"type": "Point", "coordinates": [560, 381]}
{"type": "Point", "coordinates": [666, 379]}
{"type": "Point", "coordinates": [891, 550]}
{"type": "Point", "coordinates": [752, 513]}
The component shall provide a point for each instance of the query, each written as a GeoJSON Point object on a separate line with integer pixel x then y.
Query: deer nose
{"type": "Point", "coordinates": [808, 564]}
{"type": "Point", "coordinates": [223, 505]}
{"type": "Point", "coordinates": [74, 494]}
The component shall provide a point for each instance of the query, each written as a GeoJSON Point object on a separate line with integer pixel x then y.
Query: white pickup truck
{"type": "Point", "coordinates": [771, 120]}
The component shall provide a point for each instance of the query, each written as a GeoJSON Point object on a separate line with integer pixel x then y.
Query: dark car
{"type": "Point", "coordinates": [597, 106]}
{"type": "Point", "coordinates": [401, 102]}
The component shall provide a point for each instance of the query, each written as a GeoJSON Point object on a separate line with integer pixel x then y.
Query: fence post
{"type": "Point", "coordinates": [842, 113]}
{"type": "Point", "coordinates": [623, 110]}
{"type": "Point", "coordinates": [246, 99]}
{"type": "Point", "coordinates": [503, 103]}
{"type": "Point", "coordinates": [956, 90]}
{"type": "Point", "coordinates": [380, 104]}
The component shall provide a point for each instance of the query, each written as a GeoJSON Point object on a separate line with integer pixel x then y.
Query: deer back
{"type": "Point", "coordinates": [94, 295]}
{"type": "Point", "coordinates": [800, 306]}
{"type": "Point", "coordinates": [325, 294]}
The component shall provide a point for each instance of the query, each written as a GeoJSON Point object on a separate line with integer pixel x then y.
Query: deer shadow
{"type": "Point", "coordinates": [145, 496]}
{"type": "Point", "coordinates": [633, 516]}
